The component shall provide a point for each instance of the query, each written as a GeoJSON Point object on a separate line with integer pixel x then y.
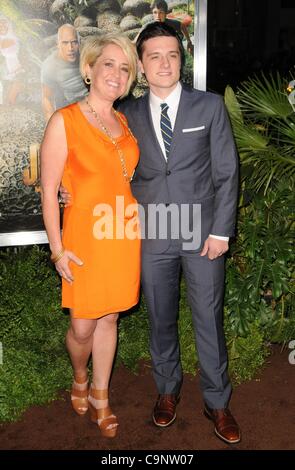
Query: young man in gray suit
{"type": "Point", "coordinates": [187, 158]}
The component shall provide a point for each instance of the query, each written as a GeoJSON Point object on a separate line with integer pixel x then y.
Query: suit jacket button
{"type": "Point", "coordinates": [168, 172]}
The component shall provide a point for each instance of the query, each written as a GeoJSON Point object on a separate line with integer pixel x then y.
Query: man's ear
{"type": "Point", "coordinates": [140, 66]}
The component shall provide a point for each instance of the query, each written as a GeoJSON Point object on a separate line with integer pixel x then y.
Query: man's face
{"type": "Point", "coordinates": [159, 15]}
{"type": "Point", "coordinates": [161, 63]}
{"type": "Point", "coordinates": [68, 45]}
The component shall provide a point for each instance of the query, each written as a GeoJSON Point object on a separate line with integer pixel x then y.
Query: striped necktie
{"type": "Point", "coordinates": [166, 128]}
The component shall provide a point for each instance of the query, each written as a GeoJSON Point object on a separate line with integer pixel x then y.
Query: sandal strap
{"type": "Point", "coordinates": [107, 422]}
{"type": "Point", "coordinates": [81, 380]}
{"type": "Point", "coordinates": [99, 394]}
{"type": "Point", "coordinates": [79, 393]}
{"type": "Point", "coordinates": [104, 413]}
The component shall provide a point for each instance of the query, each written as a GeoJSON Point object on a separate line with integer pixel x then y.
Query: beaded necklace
{"type": "Point", "coordinates": [112, 139]}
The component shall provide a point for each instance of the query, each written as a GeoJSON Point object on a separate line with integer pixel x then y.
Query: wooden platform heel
{"type": "Point", "coordinates": [79, 398]}
{"type": "Point", "coordinates": [103, 417]}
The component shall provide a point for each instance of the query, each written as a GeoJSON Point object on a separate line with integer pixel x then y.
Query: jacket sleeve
{"type": "Point", "coordinates": [224, 164]}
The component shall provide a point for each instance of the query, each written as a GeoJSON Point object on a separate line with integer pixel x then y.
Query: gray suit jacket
{"type": "Point", "coordinates": [202, 167]}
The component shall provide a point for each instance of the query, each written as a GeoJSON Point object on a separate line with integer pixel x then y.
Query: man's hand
{"type": "Point", "coordinates": [214, 248]}
{"type": "Point", "coordinates": [65, 196]}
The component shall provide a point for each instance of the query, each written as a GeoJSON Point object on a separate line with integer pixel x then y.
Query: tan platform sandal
{"type": "Point", "coordinates": [103, 417]}
{"type": "Point", "coordinates": [79, 397]}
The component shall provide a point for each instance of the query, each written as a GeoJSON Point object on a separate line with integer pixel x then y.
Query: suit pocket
{"type": "Point", "coordinates": [195, 135]}
{"type": "Point", "coordinates": [193, 129]}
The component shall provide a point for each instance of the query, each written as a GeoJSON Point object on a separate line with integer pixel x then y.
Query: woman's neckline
{"type": "Point", "coordinates": [101, 132]}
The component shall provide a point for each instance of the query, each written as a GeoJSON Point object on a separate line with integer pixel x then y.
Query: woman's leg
{"type": "Point", "coordinates": [79, 341]}
{"type": "Point", "coordinates": [103, 352]}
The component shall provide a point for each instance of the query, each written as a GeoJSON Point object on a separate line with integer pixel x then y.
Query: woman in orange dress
{"type": "Point", "coordinates": [89, 148]}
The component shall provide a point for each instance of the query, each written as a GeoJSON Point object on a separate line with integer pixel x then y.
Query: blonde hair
{"type": "Point", "coordinates": [93, 47]}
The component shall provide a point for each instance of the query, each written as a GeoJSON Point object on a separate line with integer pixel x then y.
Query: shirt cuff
{"type": "Point", "coordinates": [218, 237]}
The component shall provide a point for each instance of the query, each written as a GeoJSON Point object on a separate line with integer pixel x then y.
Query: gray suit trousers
{"type": "Point", "coordinates": [205, 288]}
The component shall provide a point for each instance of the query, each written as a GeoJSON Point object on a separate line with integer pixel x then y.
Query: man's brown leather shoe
{"type": "Point", "coordinates": [226, 427]}
{"type": "Point", "coordinates": [165, 410]}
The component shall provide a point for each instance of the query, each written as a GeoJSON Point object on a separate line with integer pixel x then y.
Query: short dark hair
{"type": "Point", "coordinates": [160, 4]}
{"type": "Point", "coordinates": [157, 29]}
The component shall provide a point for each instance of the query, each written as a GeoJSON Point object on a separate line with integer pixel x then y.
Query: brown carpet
{"type": "Point", "coordinates": [264, 408]}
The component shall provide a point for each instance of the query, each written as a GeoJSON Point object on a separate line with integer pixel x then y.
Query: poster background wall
{"type": "Point", "coordinates": [28, 36]}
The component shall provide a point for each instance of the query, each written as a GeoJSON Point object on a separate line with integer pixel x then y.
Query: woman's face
{"type": "Point", "coordinates": [109, 75]}
{"type": "Point", "coordinates": [3, 27]}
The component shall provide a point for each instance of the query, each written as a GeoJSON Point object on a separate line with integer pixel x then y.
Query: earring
{"type": "Point", "coordinates": [87, 80]}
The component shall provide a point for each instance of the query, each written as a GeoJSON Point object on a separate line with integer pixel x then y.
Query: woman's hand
{"type": "Point", "coordinates": [62, 265]}
{"type": "Point", "coordinates": [65, 196]}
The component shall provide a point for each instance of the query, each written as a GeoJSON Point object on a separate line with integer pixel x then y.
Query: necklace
{"type": "Point", "coordinates": [112, 139]}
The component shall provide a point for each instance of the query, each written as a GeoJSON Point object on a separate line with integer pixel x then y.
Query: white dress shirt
{"type": "Point", "coordinates": [172, 101]}
{"type": "Point", "coordinates": [155, 104]}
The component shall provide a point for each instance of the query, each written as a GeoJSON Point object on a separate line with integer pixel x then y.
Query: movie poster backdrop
{"type": "Point", "coordinates": [38, 77]}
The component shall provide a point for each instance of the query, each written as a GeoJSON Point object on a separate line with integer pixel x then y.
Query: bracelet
{"type": "Point", "coordinates": [58, 256]}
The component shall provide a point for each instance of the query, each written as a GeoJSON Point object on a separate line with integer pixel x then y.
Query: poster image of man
{"type": "Point", "coordinates": [61, 84]}
{"type": "Point", "coordinates": [61, 80]}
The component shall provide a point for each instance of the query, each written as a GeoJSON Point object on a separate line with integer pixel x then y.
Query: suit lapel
{"type": "Point", "coordinates": [149, 131]}
{"type": "Point", "coordinates": [181, 117]}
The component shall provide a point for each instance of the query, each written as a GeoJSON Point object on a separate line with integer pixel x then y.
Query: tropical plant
{"type": "Point", "coordinates": [260, 269]}
{"type": "Point", "coordinates": [264, 127]}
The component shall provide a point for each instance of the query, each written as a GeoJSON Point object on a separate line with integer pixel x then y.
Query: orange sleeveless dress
{"type": "Point", "coordinates": [100, 226]}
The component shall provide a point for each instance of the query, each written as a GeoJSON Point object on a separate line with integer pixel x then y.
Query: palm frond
{"type": "Point", "coordinates": [263, 123]}
{"type": "Point", "coordinates": [248, 138]}
{"type": "Point", "coordinates": [267, 166]}
{"type": "Point", "coordinates": [264, 97]}
{"type": "Point", "coordinates": [233, 105]}
{"type": "Point", "coordinates": [285, 130]}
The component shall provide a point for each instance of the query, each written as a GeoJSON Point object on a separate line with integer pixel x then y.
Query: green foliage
{"type": "Point", "coordinates": [260, 275]}
{"type": "Point", "coordinates": [186, 335]}
{"type": "Point", "coordinates": [265, 97]}
{"type": "Point", "coordinates": [264, 127]}
{"type": "Point", "coordinates": [32, 329]}
{"type": "Point", "coordinates": [246, 354]}
{"type": "Point", "coordinates": [133, 338]}
{"type": "Point", "coordinates": [261, 261]}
